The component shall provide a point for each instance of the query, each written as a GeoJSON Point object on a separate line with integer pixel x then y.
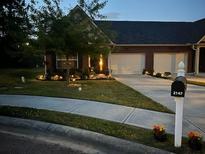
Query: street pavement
{"type": "Point", "coordinates": [117, 113]}
{"type": "Point", "coordinates": [159, 90]}
{"type": "Point", "coordinates": [12, 144]}
{"type": "Point", "coordinates": [30, 136]}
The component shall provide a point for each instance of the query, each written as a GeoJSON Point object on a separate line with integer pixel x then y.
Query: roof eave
{"type": "Point", "coordinates": [187, 44]}
{"type": "Point", "coordinates": [203, 38]}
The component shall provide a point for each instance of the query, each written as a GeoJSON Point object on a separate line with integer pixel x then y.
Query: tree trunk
{"type": "Point", "coordinates": [50, 64]}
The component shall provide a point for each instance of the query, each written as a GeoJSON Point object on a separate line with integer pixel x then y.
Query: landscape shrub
{"type": "Point", "coordinates": [158, 75]}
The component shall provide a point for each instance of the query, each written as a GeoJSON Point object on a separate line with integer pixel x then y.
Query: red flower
{"type": "Point", "coordinates": [194, 135]}
{"type": "Point", "coordinates": [158, 129]}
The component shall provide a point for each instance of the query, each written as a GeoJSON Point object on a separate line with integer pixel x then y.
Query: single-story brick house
{"type": "Point", "coordinates": [140, 45]}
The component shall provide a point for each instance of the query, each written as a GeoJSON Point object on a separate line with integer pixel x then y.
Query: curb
{"type": "Point", "coordinates": [96, 139]}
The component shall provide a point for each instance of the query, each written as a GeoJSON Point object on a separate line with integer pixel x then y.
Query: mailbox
{"type": "Point", "coordinates": [179, 86]}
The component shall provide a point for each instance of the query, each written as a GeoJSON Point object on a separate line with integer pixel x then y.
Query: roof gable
{"type": "Point", "coordinates": [79, 17]}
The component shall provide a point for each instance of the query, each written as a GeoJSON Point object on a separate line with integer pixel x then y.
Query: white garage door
{"type": "Point", "coordinates": [127, 63]}
{"type": "Point", "coordinates": [168, 62]}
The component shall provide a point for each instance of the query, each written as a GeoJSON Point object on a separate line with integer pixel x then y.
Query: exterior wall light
{"type": "Point", "coordinates": [101, 62]}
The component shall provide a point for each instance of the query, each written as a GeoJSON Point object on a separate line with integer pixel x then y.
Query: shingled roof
{"type": "Point", "coordinates": [148, 32]}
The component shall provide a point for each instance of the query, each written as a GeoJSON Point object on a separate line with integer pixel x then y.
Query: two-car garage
{"type": "Point", "coordinates": [134, 63]}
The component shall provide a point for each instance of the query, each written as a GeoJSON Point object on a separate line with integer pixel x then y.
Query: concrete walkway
{"type": "Point", "coordinates": [117, 113]}
{"type": "Point", "coordinates": [160, 89]}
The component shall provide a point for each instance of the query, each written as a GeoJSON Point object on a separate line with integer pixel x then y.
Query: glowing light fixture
{"type": "Point", "coordinates": [89, 65]}
{"type": "Point", "coordinates": [101, 62]}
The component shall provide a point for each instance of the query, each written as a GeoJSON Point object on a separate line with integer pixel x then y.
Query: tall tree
{"type": "Point", "coordinates": [43, 17]}
{"type": "Point", "coordinates": [14, 31]}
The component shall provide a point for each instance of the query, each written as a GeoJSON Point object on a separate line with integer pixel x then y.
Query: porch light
{"type": "Point", "coordinates": [101, 62]}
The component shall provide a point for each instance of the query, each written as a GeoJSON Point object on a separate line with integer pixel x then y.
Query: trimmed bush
{"type": "Point", "coordinates": [158, 75]}
{"type": "Point", "coordinates": [166, 74]}
{"type": "Point", "coordinates": [148, 71]}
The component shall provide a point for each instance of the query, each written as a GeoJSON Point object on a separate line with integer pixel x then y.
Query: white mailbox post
{"type": "Point", "coordinates": [178, 89]}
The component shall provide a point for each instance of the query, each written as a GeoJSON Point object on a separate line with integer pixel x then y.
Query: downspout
{"type": "Point", "coordinates": [195, 49]}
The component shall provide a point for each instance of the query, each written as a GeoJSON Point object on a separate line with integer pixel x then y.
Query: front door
{"type": "Point", "coordinates": [202, 60]}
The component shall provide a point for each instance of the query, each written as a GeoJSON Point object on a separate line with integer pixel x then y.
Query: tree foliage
{"type": "Point", "coordinates": [14, 31]}
{"type": "Point", "coordinates": [76, 32]}
{"type": "Point", "coordinates": [29, 28]}
{"type": "Point", "coordinates": [93, 7]}
{"type": "Point", "coordinates": [65, 34]}
{"type": "Point", "coordinates": [43, 18]}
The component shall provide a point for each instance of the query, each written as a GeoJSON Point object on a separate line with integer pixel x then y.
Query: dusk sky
{"type": "Point", "coordinates": [150, 10]}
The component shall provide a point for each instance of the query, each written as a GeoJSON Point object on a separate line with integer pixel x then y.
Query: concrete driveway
{"type": "Point", "coordinates": [159, 90]}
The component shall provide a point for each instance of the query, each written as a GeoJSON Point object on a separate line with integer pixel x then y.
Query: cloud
{"type": "Point", "coordinates": [112, 15]}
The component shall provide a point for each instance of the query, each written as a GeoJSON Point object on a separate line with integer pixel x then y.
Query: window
{"type": "Point", "coordinates": [65, 61]}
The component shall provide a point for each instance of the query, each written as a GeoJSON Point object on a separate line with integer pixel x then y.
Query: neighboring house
{"type": "Point", "coordinates": [140, 45]}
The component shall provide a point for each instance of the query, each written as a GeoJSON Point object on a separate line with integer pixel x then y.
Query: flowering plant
{"type": "Point", "coordinates": [195, 140]}
{"type": "Point", "coordinates": [55, 77]}
{"type": "Point", "coordinates": [159, 129]}
{"type": "Point", "coordinates": [159, 132]}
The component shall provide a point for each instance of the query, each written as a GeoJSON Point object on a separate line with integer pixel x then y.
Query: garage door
{"type": "Point", "coordinates": [168, 62]}
{"type": "Point", "coordinates": [127, 63]}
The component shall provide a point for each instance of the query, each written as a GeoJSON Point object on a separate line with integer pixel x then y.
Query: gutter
{"type": "Point", "coordinates": [194, 47]}
{"type": "Point", "coordinates": [188, 44]}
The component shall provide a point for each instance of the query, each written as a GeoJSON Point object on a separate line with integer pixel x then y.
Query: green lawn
{"type": "Point", "coordinates": [136, 134]}
{"type": "Point", "coordinates": [110, 91]}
